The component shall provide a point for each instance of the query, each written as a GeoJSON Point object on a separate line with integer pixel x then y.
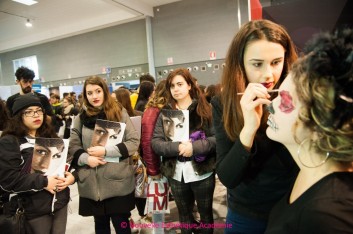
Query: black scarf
{"type": "Point", "coordinates": [90, 121]}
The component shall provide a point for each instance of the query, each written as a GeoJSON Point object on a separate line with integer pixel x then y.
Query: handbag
{"type": "Point", "coordinates": [14, 223]}
{"type": "Point", "coordinates": [141, 180]}
{"type": "Point", "coordinates": [106, 181]}
{"type": "Point", "coordinates": [157, 196]}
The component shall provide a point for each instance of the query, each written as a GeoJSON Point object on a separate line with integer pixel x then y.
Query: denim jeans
{"type": "Point", "coordinates": [243, 225]}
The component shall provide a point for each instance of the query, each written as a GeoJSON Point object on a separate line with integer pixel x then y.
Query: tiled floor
{"type": "Point", "coordinates": [85, 225]}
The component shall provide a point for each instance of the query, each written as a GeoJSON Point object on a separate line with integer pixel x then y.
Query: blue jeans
{"type": "Point", "coordinates": [243, 225]}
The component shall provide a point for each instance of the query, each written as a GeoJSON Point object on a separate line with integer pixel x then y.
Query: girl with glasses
{"type": "Point", "coordinates": [45, 198]}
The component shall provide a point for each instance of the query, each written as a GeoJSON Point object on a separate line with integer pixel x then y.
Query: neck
{"type": "Point", "coordinates": [307, 177]}
{"type": "Point", "coordinates": [32, 133]}
{"type": "Point", "coordinates": [184, 104]}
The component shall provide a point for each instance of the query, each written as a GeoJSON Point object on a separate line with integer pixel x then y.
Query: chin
{"type": "Point", "coordinates": [271, 134]}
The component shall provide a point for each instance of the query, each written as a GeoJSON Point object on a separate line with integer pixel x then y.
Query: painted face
{"type": "Point", "coordinates": [284, 112]}
{"type": "Point", "coordinates": [33, 118]}
{"type": "Point", "coordinates": [263, 62]}
{"type": "Point", "coordinates": [43, 156]}
{"type": "Point", "coordinates": [179, 88]}
{"type": "Point", "coordinates": [95, 95]}
{"type": "Point", "coordinates": [26, 85]}
{"type": "Point", "coordinates": [105, 136]}
{"type": "Point", "coordinates": [173, 127]}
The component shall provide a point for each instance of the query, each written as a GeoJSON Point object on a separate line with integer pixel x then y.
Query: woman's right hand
{"type": "Point", "coordinates": [95, 161]}
{"type": "Point", "coordinates": [52, 184]}
{"type": "Point", "coordinates": [254, 97]}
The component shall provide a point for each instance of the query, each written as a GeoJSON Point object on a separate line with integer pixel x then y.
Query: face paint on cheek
{"type": "Point", "coordinates": [286, 105]}
{"type": "Point", "coordinates": [270, 108]}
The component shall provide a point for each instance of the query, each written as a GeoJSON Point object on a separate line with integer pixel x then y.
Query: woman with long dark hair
{"type": "Point", "coordinates": [188, 164]}
{"type": "Point", "coordinates": [256, 171]}
{"type": "Point", "coordinates": [45, 198]}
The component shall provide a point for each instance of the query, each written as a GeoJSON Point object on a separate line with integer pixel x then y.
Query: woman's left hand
{"type": "Point", "coordinates": [96, 151]}
{"type": "Point", "coordinates": [185, 149]}
{"type": "Point", "coordinates": [64, 182]}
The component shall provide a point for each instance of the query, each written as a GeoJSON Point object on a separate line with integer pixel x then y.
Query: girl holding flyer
{"type": "Point", "coordinates": [106, 189]}
{"type": "Point", "coordinates": [44, 198]}
{"type": "Point", "coordinates": [188, 163]}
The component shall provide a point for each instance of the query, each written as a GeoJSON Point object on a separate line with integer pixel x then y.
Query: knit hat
{"type": "Point", "coordinates": [23, 101]}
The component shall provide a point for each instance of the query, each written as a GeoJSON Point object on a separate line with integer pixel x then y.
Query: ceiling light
{"type": "Point", "coordinates": [28, 23]}
{"type": "Point", "coordinates": [26, 2]}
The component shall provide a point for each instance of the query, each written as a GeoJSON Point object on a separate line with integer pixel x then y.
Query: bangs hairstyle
{"type": "Point", "coordinates": [203, 108]}
{"type": "Point", "coordinates": [111, 108]}
{"type": "Point", "coordinates": [234, 78]}
{"type": "Point", "coordinates": [17, 127]}
{"type": "Point", "coordinates": [159, 98]}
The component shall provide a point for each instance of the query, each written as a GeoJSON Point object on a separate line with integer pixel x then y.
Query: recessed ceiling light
{"type": "Point", "coordinates": [26, 2]}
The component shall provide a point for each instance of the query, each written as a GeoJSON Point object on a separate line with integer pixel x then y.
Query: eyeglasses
{"type": "Point", "coordinates": [31, 113]}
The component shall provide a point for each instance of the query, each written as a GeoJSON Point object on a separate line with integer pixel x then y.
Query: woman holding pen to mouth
{"type": "Point", "coordinates": [256, 171]}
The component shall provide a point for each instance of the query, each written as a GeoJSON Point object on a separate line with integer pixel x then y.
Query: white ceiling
{"type": "Point", "coordinates": [55, 19]}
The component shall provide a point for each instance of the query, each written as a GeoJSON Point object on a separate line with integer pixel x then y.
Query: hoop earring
{"type": "Point", "coordinates": [315, 166]}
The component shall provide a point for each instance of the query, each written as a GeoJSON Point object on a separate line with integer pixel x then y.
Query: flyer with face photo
{"type": "Point", "coordinates": [176, 125]}
{"type": "Point", "coordinates": [49, 156]}
{"type": "Point", "coordinates": [108, 133]}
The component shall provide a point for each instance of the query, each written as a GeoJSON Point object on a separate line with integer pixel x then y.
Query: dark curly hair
{"type": "Point", "coordinates": [17, 128]}
{"type": "Point", "coordinates": [324, 84]}
{"type": "Point", "coordinates": [24, 73]}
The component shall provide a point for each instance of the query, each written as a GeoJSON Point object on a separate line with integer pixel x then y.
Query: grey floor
{"type": "Point", "coordinates": [85, 225]}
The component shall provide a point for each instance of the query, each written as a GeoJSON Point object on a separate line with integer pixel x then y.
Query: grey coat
{"type": "Point", "coordinates": [99, 203]}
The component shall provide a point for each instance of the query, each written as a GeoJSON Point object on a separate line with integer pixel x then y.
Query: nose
{"type": "Point", "coordinates": [268, 72]}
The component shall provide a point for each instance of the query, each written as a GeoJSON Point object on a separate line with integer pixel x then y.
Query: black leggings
{"type": "Point", "coordinates": [120, 222]}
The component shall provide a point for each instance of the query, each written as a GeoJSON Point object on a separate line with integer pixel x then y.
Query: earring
{"type": "Point", "coordinates": [314, 166]}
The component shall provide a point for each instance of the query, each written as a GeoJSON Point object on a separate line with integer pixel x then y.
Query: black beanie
{"type": "Point", "coordinates": [24, 101]}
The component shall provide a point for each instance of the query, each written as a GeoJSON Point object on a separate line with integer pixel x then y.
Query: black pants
{"type": "Point", "coordinates": [120, 222]}
{"type": "Point", "coordinates": [140, 205]}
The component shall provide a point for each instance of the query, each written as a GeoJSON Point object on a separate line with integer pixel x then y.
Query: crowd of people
{"type": "Point", "coordinates": [277, 131]}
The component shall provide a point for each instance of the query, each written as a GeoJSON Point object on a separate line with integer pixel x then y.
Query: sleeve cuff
{"type": "Point", "coordinates": [83, 159]}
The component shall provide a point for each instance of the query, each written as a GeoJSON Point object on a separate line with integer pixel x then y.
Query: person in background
{"type": "Point", "coordinates": [189, 165]}
{"type": "Point", "coordinates": [98, 104]}
{"type": "Point", "coordinates": [73, 98]}
{"type": "Point", "coordinates": [134, 96]}
{"type": "Point", "coordinates": [79, 103]}
{"type": "Point", "coordinates": [56, 106]}
{"type": "Point", "coordinates": [203, 89]}
{"type": "Point", "coordinates": [256, 170]}
{"type": "Point", "coordinates": [313, 118]}
{"type": "Point", "coordinates": [55, 103]}
{"type": "Point", "coordinates": [153, 107]}
{"type": "Point", "coordinates": [211, 91]}
{"type": "Point", "coordinates": [66, 95]}
{"type": "Point", "coordinates": [65, 114]}
{"type": "Point", "coordinates": [122, 95]}
{"type": "Point", "coordinates": [146, 89]}
{"type": "Point", "coordinates": [4, 116]}
{"type": "Point", "coordinates": [45, 198]}
{"type": "Point", "coordinates": [24, 78]}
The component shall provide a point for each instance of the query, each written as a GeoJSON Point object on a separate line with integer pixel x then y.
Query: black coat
{"type": "Point", "coordinates": [13, 179]}
{"type": "Point", "coordinates": [170, 150]}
